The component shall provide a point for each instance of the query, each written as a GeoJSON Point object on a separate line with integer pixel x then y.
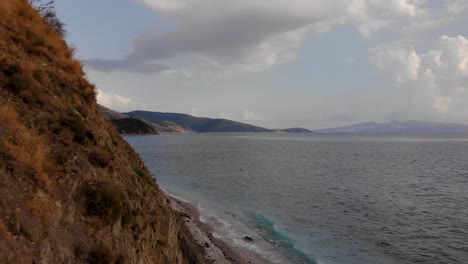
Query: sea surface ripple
{"type": "Point", "coordinates": [325, 198]}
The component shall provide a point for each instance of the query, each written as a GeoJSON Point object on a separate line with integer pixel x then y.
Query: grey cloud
{"type": "Point", "coordinates": [129, 65]}
{"type": "Point", "coordinates": [230, 32]}
{"type": "Point", "coordinates": [252, 35]}
{"type": "Point", "coordinates": [227, 38]}
{"type": "Point", "coordinates": [247, 36]}
{"type": "Point", "coordinates": [231, 39]}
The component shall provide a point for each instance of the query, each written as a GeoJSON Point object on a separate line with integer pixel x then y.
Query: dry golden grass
{"type": "Point", "coordinates": [48, 116]}
{"type": "Point", "coordinates": [6, 6]}
{"type": "Point", "coordinates": [32, 44]}
{"type": "Point", "coordinates": [25, 145]}
{"type": "Point", "coordinates": [36, 68]}
{"type": "Point", "coordinates": [43, 206]}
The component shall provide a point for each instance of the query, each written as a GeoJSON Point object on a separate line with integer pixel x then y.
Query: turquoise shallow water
{"type": "Point", "coordinates": [323, 198]}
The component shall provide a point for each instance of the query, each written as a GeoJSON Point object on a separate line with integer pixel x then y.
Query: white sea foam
{"type": "Point", "coordinates": [226, 231]}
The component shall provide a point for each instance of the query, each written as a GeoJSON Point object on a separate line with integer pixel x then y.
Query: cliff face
{"type": "Point", "coordinates": [71, 189]}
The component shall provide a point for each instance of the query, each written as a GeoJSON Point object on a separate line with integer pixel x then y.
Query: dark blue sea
{"type": "Point", "coordinates": [323, 198]}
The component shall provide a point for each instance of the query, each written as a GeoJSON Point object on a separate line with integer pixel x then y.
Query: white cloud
{"type": "Point", "coordinates": [113, 101]}
{"type": "Point", "coordinates": [441, 104]}
{"type": "Point", "coordinates": [251, 116]}
{"type": "Point", "coordinates": [455, 51]}
{"type": "Point", "coordinates": [166, 5]}
{"type": "Point", "coordinates": [224, 116]}
{"type": "Point", "coordinates": [401, 63]}
{"type": "Point", "coordinates": [194, 112]}
{"type": "Point", "coordinates": [371, 16]}
{"type": "Point", "coordinates": [441, 72]}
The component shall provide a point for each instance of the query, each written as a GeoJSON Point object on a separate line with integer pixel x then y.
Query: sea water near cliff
{"type": "Point", "coordinates": [323, 198]}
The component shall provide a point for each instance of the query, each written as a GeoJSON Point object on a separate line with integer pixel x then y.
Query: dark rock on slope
{"type": "Point", "coordinates": [133, 126]}
{"type": "Point", "coordinates": [71, 189]}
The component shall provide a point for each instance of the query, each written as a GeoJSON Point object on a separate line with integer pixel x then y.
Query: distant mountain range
{"type": "Point", "coordinates": [146, 122]}
{"type": "Point", "coordinates": [136, 122]}
{"type": "Point", "coordinates": [401, 127]}
{"type": "Point", "coordinates": [195, 124]}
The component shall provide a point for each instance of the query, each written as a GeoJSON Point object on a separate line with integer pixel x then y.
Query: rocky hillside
{"type": "Point", "coordinates": [111, 114]}
{"type": "Point", "coordinates": [191, 123]}
{"type": "Point", "coordinates": [71, 189]}
{"type": "Point", "coordinates": [133, 126]}
{"type": "Point", "coordinates": [183, 123]}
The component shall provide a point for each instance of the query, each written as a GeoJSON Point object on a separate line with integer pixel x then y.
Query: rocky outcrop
{"type": "Point", "coordinates": [71, 189]}
{"type": "Point", "coordinates": [133, 126]}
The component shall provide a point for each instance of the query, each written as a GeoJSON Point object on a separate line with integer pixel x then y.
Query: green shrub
{"type": "Point", "coordinates": [120, 259]}
{"type": "Point", "coordinates": [12, 69]}
{"type": "Point", "coordinates": [100, 157]}
{"type": "Point", "coordinates": [76, 124]}
{"type": "Point", "coordinates": [15, 80]}
{"type": "Point", "coordinates": [100, 255]}
{"type": "Point", "coordinates": [17, 83]}
{"type": "Point", "coordinates": [140, 172]}
{"type": "Point", "coordinates": [109, 149]}
{"type": "Point", "coordinates": [61, 156]}
{"type": "Point", "coordinates": [127, 214]}
{"type": "Point", "coordinates": [35, 39]}
{"type": "Point", "coordinates": [88, 91]}
{"type": "Point", "coordinates": [103, 201]}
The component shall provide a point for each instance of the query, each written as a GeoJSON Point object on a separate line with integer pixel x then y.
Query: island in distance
{"type": "Point", "coordinates": [147, 122]}
{"type": "Point", "coordinates": [399, 127]}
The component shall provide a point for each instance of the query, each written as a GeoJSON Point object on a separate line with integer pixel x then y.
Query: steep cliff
{"type": "Point", "coordinates": [71, 189]}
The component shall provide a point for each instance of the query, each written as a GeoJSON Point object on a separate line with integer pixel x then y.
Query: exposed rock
{"type": "Point", "coordinates": [247, 238]}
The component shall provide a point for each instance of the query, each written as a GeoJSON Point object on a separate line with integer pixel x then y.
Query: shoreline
{"type": "Point", "coordinates": [217, 251]}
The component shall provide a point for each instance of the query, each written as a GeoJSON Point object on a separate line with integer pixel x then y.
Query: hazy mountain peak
{"type": "Point", "coordinates": [396, 126]}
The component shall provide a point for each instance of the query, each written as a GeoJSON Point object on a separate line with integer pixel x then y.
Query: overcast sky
{"type": "Point", "coordinates": [277, 63]}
